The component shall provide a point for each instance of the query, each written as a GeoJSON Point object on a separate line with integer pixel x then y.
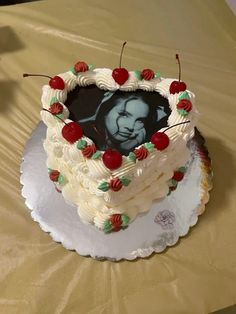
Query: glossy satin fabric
{"type": "Point", "coordinates": [198, 275]}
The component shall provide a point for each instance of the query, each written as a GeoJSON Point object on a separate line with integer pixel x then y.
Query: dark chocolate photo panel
{"type": "Point", "coordinates": [118, 120]}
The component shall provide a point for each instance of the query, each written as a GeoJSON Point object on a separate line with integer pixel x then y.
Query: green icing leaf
{"type": "Point", "coordinates": [125, 220]}
{"type": "Point", "coordinates": [49, 170]}
{"type": "Point", "coordinates": [90, 66]}
{"type": "Point", "coordinates": [157, 74]}
{"type": "Point", "coordinates": [138, 75]}
{"type": "Point", "coordinates": [96, 155]}
{"type": "Point", "coordinates": [107, 227]}
{"type": "Point", "coordinates": [72, 70]}
{"type": "Point", "coordinates": [125, 181]}
{"type": "Point", "coordinates": [104, 186]}
{"type": "Point", "coordinates": [174, 182]}
{"type": "Point", "coordinates": [169, 192]}
{"type": "Point", "coordinates": [182, 169]}
{"type": "Point", "coordinates": [132, 156]}
{"type": "Point", "coordinates": [53, 100]}
{"type": "Point", "coordinates": [149, 146]}
{"type": "Point", "coordinates": [81, 144]}
{"type": "Point", "coordinates": [60, 179]}
{"type": "Point", "coordinates": [184, 95]}
{"type": "Point", "coordinates": [182, 112]}
{"type": "Point", "coordinates": [61, 115]}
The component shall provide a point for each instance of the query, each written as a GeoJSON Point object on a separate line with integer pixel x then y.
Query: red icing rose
{"type": "Point", "coordinates": [147, 74]}
{"type": "Point", "coordinates": [116, 222]}
{"type": "Point", "coordinates": [115, 184]}
{"type": "Point", "coordinates": [178, 176]}
{"type": "Point", "coordinates": [54, 175]}
{"type": "Point", "coordinates": [56, 108]}
{"type": "Point", "coordinates": [141, 153]}
{"type": "Point", "coordinates": [184, 104]}
{"type": "Point", "coordinates": [89, 150]}
{"type": "Point", "coordinates": [81, 67]}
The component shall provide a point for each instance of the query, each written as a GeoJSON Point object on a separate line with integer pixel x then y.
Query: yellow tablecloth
{"type": "Point", "coordinates": [198, 275]}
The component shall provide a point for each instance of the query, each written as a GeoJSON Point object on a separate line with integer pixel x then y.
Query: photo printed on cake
{"type": "Point", "coordinates": [118, 120]}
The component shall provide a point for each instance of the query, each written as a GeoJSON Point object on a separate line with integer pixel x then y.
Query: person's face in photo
{"type": "Point", "coordinates": [125, 122]}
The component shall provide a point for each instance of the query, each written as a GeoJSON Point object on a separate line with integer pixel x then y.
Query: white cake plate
{"type": "Point", "coordinates": [162, 226]}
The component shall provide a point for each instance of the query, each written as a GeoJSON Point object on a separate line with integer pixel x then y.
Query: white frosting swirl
{"type": "Point", "coordinates": [70, 80]}
{"type": "Point", "coordinates": [86, 78]}
{"type": "Point", "coordinates": [104, 80]}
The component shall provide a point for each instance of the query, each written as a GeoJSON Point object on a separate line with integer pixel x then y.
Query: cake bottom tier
{"type": "Point", "coordinates": [151, 232]}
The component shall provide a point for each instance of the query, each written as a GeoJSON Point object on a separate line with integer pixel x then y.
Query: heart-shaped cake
{"type": "Point", "coordinates": [115, 145]}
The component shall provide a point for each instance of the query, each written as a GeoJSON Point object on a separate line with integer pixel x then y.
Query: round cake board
{"type": "Point", "coordinates": [162, 226]}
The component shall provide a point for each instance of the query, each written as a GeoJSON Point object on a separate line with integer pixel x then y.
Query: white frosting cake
{"type": "Point", "coordinates": [112, 198]}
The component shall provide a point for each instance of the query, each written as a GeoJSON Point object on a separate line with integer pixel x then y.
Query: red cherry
{"type": "Point", "coordinates": [176, 87]}
{"type": "Point", "coordinates": [120, 75]}
{"type": "Point", "coordinates": [57, 83]}
{"type": "Point", "coordinates": [112, 159]}
{"type": "Point", "coordinates": [178, 176]}
{"type": "Point", "coordinates": [182, 86]}
{"type": "Point", "coordinates": [72, 132]}
{"type": "Point", "coordinates": [160, 140]}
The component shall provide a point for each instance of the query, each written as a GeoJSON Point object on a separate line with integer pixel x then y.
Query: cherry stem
{"type": "Point", "coordinates": [174, 125]}
{"type": "Point", "coordinates": [177, 58]}
{"type": "Point", "coordinates": [121, 53]}
{"type": "Point", "coordinates": [54, 115]}
{"type": "Point", "coordinates": [26, 75]}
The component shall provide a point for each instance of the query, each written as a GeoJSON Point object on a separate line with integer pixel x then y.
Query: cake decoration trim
{"type": "Point", "coordinates": [120, 75]}
{"type": "Point", "coordinates": [177, 86]}
{"type": "Point", "coordinates": [104, 186]}
{"type": "Point", "coordinates": [176, 178]}
{"type": "Point", "coordinates": [137, 74]}
{"type": "Point", "coordinates": [112, 159]}
{"type": "Point", "coordinates": [184, 106]}
{"type": "Point", "coordinates": [184, 95]}
{"type": "Point", "coordinates": [80, 66]}
{"type": "Point", "coordinates": [72, 132]}
{"type": "Point", "coordinates": [149, 146]}
{"type": "Point", "coordinates": [89, 151]}
{"type": "Point", "coordinates": [141, 153]}
{"type": "Point", "coordinates": [157, 75]}
{"type": "Point", "coordinates": [96, 155]}
{"type": "Point", "coordinates": [55, 82]}
{"type": "Point", "coordinates": [147, 74]}
{"type": "Point", "coordinates": [56, 176]}
{"type": "Point", "coordinates": [116, 222]}
{"type": "Point", "coordinates": [115, 184]}
{"type": "Point", "coordinates": [56, 108]}
{"type": "Point", "coordinates": [81, 144]}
